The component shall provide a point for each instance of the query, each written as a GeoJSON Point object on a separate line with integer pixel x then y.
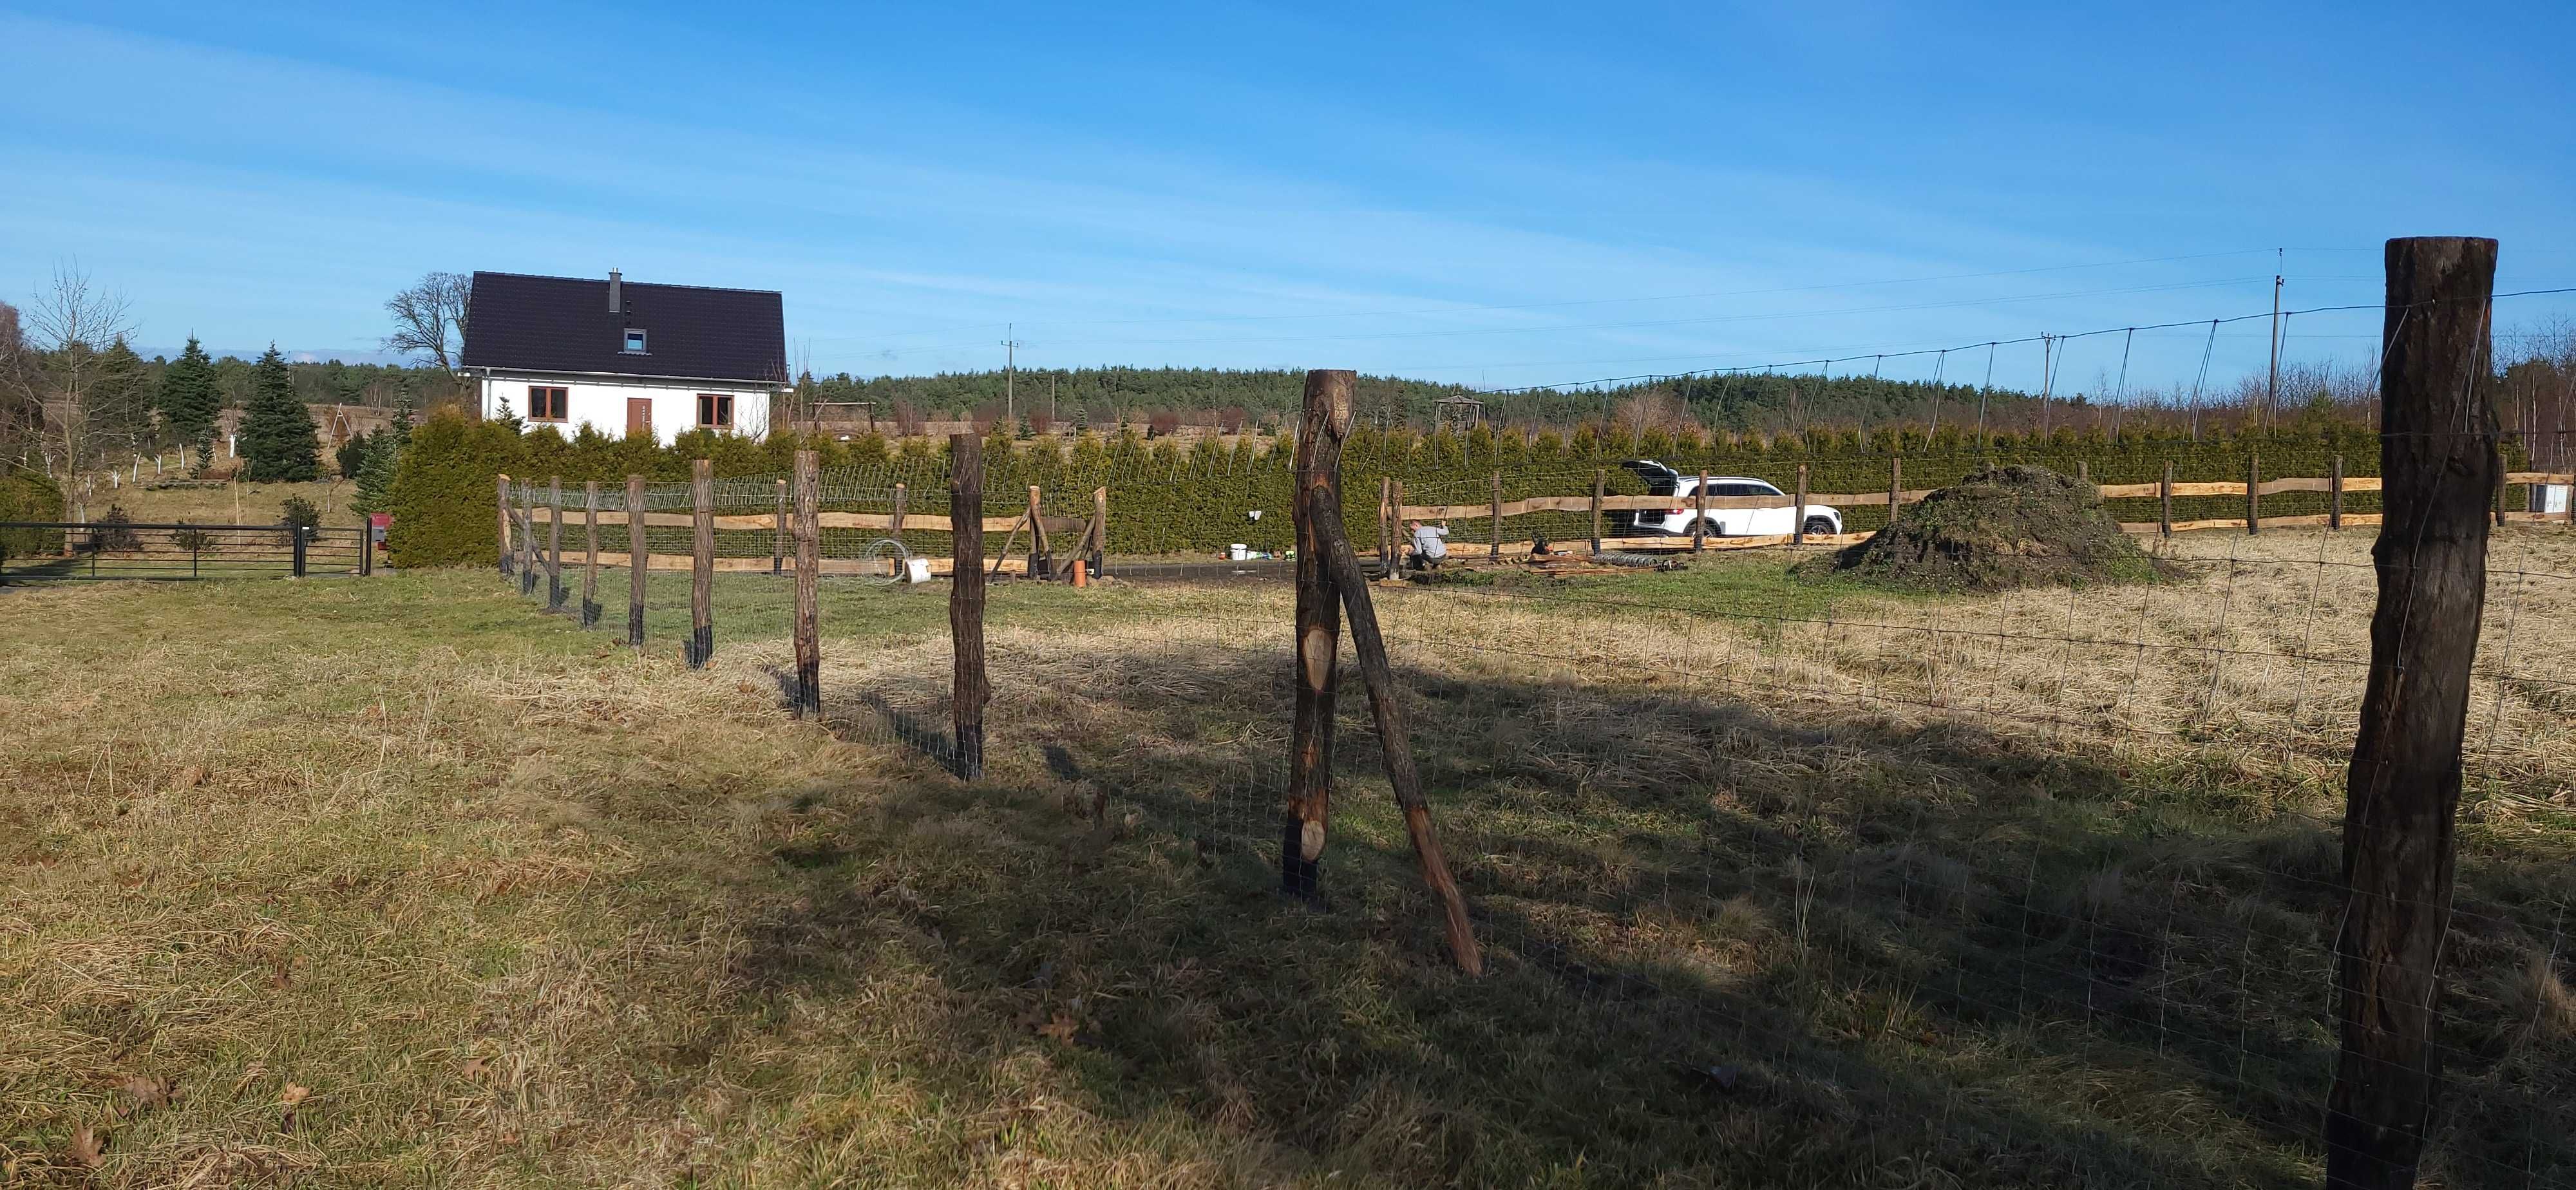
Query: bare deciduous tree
{"type": "Point", "coordinates": [57, 377]}
{"type": "Point", "coordinates": [429, 318]}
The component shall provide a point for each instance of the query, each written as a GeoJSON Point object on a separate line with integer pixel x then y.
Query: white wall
{"type": "Point", "coordinates": [602, 404]}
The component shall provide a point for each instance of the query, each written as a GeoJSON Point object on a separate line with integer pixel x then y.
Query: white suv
{"type": "Point", "coordinates": [1662, 480]}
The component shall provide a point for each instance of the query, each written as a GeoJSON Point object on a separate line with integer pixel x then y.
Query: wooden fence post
{"type": "Point", "coordinates": [554, 544]}
{"type": "Point", "coordinates": [1099, 530]}
{"type": "Point", "coordinates": [2164, 502]}
{"type": "Point", "coordinates": [501, 505]}
{"type": "Point", "coordinates": [1896, 485]}
{"type": "Point", "coordinates": [2253, 493]}
{"type": "Point", "coordinates": [702, 563]}
{"type": "Point", "coordinates": [527, 540]}
{"type": "Point", "coordinates": [1316, 503]}
{"type": "Point", "coordinates": [590, 552]}
{"type": "Point", "coordinates": [2499, 485]}
{"type": "Point", "coordinates": [894, 524]}
{"type": "Point", "coordinates": [2334, 495]}
{"type": "Point", "coordinates": [809, 643]}
{"type": "Point", "coordinates": [1699, 514]}
{"type": "Point", "coordinates": [1343, 569]}
{"type": "Point", "coordinates": [2439, 463]}
{"type": "Point", "coordinates": [1798, 510]}
{"type": "Point", "coordinates": [635, 560]}
{"type": "Point", "coordinates": [968, 690]}
{"type": "Point", "coordinates": [1495, 549]}
{"type": "Point", "coordinates": [778, 537]}
{"type": "Point", "coordinates": [1041, 559]}
{"type": "Point", "coordinates": [1600, 485]}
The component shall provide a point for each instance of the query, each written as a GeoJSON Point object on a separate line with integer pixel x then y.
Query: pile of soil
{"type": "Point", "coordinates": [2008, 527]}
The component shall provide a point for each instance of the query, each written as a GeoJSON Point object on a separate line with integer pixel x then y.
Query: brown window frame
{"type": "Point", "coordinates": [561, 402]}
{"type": "Point", "coordinates": [718, 406]}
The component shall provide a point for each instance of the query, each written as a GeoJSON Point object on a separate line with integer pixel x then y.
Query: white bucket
{"type": "Point", "coordinates": [916, 570]}
{"type": "Point", "coordinates": [1237, 552]}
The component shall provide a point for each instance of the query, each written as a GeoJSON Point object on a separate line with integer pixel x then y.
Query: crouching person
{"type": "Point", "coordinates": [1429, 546]}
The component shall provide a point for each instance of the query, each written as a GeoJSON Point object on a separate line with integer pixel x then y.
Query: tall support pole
{"type": "Point", "coordinates": [968, 690]}
{"type": "Point", "coordinates": [2439, 463]}
{"type": "Point", "coordinates": [1494, 540]}
{"type": "Point", "coordinates": [636, 560]}
{"type": "Point", "coordinates": [554, 544]}
{"type": "Point", "coordinates": [1342, 567]}
{"type": "Point", "coordinates": [1041, 556]}
{"type": "Point", "coordinates": [1896, 485]}
{"type": "Point", "coordinates": [1099, 530]}
{"type": "Point", "coordinates": [809, 568]}
{"type": "Point", "coordinates": [501, 507]}
{"type": "Point", "coordinates": [778, 536]}
{"type": "Point", "coordinates": [527, 540]}
{"type": "Point", "coordinates": [894, 524]}
{"type": "Point", "coordinates": [1317, 501]}
{"type": "Point", "coordinates": [702, 563]}
{"type": "Point", "coordinates": [590, 552]}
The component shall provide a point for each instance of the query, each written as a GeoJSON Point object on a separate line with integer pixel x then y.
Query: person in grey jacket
{"type": "Point", "coordinates": [1428, 546]}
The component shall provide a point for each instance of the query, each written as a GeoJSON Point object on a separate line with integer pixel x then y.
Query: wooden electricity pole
{"type": "Point", "coordinates": [2439, 462]}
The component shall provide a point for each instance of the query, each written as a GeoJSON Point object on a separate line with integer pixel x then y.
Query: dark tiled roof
{"type": "Point", "coordinates": [563, 324]}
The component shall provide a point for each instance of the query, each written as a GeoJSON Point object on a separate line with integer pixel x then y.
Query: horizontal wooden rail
{"type": "Point", "coordinates": [768, 522]}
{"type": "Point", "coordinates": [846, 567]}
{"type": "Point", "coordinates": [2551, 478]}
{"type": "Point", "coordinates": [2110, 491]}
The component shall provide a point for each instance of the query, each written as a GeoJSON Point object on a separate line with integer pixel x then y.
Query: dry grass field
{"type": "Point", "coordinates": [401, 882]}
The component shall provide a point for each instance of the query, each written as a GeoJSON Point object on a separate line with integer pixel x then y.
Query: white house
{"type": "Point", "coordinates": [625, 357]}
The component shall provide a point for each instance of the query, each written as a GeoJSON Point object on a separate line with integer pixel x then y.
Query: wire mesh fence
{"type": "Point", "coordinates": [1993, 870]}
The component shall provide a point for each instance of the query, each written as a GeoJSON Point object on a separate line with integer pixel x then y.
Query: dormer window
{"type": "Point", "coordinates": [634, 341]}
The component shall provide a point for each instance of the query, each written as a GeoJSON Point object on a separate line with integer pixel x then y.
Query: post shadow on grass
{"type": "Point", "coordinates": [2011, 950]}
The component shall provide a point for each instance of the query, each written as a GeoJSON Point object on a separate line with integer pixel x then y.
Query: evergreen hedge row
{"type": "Point", "coordinates": [29, 496]}
{"type": "Point", "coordinates": [1165, 498]}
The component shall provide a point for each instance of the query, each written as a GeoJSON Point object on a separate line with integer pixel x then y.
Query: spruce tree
{"type": "Point", "coordinates": [278, 440]}
{"type": "Point", "coordinates": [191, 402]}
{"type": "Point", "coordinates": [120, 403]}
{"type": "Point", "coordinates": [376, 474]}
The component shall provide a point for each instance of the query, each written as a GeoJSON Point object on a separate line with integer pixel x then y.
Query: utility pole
{"type": "Point", "coordinates": [2272, 385]}
{"type": "Point", "coordinates": [1010, 371]}
{"type": "Point", "coordinates": [2047, 377]}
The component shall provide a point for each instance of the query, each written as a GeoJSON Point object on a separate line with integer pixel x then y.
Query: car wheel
{"type": "Point", "coordinates": [1712, 529]}
{"type": "Point", "coordinates": [1819, 526]}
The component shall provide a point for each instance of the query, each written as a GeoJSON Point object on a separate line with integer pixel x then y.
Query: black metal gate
{"type": "Point", "coordinates": [65, 551]}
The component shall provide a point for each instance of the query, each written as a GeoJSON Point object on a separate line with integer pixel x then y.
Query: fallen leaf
{"type": "Point", "coordinates": [88, 1147]}
{"type": "Point", "coordinates": [746, 687]}
{"type": "Point", "coordinates": [251, 1074]}
{"type": "Point", "coordinates": [192, 776]}
{"type": "Point", "coordinates": [1061, 1028]}
{"type": "Point", "coordinates": [293, 1094]}
{"type": "Point", "coordinates": [472, 1067]}
{"type": "Point", "coordinates": [147, 1090]}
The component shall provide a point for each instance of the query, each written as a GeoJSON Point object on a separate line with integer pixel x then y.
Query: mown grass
{"type": "Point", "coordinates": [1793, 905]}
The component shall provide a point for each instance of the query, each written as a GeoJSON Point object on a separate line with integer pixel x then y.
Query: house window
{"type": "Point", "coordinates": [546, 403]}
{"type": "Point", "coordinates": [715, 411]}
{"type": "Point", "coordinates": [634, 341]}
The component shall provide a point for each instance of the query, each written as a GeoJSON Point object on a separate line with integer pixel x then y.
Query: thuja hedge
{"type": "Point", "coordinates": [1166, 498]}
{"type": "Point", "coordinates": [29, 496]}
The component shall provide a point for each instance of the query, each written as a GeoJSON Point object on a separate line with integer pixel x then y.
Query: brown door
{"type": "Point", "coordinates": [639, 417]}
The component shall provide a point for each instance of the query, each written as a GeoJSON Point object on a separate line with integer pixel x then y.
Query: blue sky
{"type": "Point", "coordinates": [1487, 194]}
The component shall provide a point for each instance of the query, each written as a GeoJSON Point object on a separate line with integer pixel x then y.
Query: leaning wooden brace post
{"type": "Point", "coordinates": [808, 531]}
{"type": "Point", "coordinates": [967, 690]}
{"type": "Point", "coordinates": [554, 544]}
{"type": "Point", "coordinates": [1600, 488]}
{"type": "Point", "coordinates": [2438, 461]}
{"type": "Point", "coordinates": [702, 563]}
{"type": "Point", "coordinates": [501, 506]}
{"type": "Point", "coordinates": [1343, 568]}
{"type": "Point", "coordinates": [1316, 502]}
{"type": "Point", "coordinates": [636, 559]}
{"type": "Point", "coordinates": [589, 552]}
{"type": "Point", "coordinates": [2253, 493]}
